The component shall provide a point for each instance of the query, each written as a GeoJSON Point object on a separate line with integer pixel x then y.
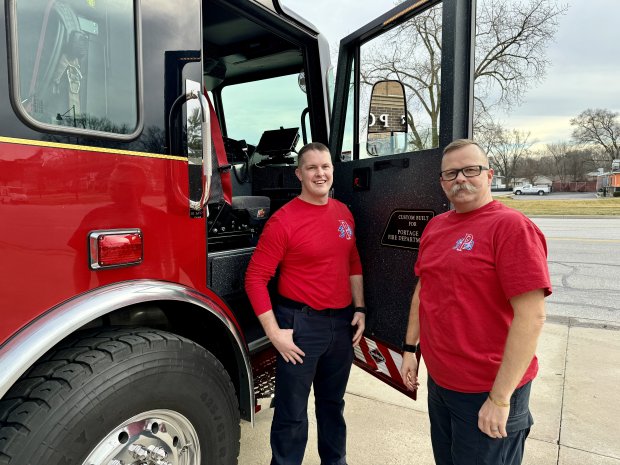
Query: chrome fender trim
{"type": "Point", "coordinates": [24, 348]}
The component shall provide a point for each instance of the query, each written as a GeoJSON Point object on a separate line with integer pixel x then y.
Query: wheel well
{"type": "Point", "coordinates": [121, 384]}
{"type": "Point", "coordinates": [191, 322]}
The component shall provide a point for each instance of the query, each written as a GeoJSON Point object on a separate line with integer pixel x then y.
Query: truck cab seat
{"type": "Point", "coordinates": [234, 221]}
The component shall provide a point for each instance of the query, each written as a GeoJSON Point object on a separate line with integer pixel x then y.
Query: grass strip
{"type": "Point", "coordinates": [603, 206]}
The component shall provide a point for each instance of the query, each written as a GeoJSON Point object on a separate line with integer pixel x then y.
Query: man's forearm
{"type": "Point", "coordinates": [269, 323]}
{"type": "Point", "coordinates": [357, 290]}
{"type": "Point", "coordinates": [409, 365]}
{"type": "Point", "coordinates": [413, 326]}
{"type": "Point", "coordinates": [521, 343]}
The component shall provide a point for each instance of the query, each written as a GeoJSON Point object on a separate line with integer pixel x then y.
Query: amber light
{"type": "Point", "coordinates": [110, 249]}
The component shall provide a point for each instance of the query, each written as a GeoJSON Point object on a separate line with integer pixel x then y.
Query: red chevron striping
{"type": "Point", "coordinates": [366, 351]}
{"type": "Point", "coordinates": [389, 362]}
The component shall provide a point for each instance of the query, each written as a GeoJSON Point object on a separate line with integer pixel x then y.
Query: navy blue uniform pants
{"type": "Point", "coordinates": [455, 435]}
{"type": "Point", "coordinates": [326, 339]}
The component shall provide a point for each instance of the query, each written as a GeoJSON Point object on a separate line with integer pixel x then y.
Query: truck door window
{"type": "Point", "coordinates": [75, 65]}
{"type": "Point", "coordinates": [251, 108]}
{"type": "Point", "coordinates": [409, 53]}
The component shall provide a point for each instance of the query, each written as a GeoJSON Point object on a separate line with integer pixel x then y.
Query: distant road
{"type": "Point", "coordinates": [551, 196]}
{"type": "Point", "coordinates": [584, 262]}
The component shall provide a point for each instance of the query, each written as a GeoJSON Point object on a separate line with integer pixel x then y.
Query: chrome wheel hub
{"type": "Point", "coordinates": [156, 437]}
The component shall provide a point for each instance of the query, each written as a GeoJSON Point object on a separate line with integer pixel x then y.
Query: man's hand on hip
{"type": "Point", "coordinates": [282, 339]}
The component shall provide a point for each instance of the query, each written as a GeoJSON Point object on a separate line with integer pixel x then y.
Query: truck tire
{"type": "Point", "coordinates": [518, 192]}
{"type": "Point", "coordinates": [541, 192]}
{"type": "Point", "coordinates": [130, 395]}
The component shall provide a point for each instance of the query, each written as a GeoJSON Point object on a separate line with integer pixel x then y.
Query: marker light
{"type": "Point", "coordinates": [113, 248]}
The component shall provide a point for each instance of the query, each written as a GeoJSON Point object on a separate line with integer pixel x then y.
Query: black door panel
{"type": "Point", "coordinates": [388, 269]}
{"type": "Point", "coordinates": [392, 197]}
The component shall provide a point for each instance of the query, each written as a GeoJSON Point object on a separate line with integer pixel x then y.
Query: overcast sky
{"type": "Point", "coordinates": [585, 57]}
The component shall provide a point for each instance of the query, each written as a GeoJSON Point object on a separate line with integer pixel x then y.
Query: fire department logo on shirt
{"type": "Point", "coordinates": [345, 230]}
{"type": "Point", "coordinates": [464, 243]}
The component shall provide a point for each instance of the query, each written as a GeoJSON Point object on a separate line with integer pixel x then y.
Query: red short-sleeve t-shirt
{"type": "Point", "coordinates": [470, 266]}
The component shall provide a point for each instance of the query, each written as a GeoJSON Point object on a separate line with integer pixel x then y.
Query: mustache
{"type": "Point", "coordinates": [463, 187]}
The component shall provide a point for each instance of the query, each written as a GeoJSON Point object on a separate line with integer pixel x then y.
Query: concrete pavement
{"type": "Point", "coordinates": [575, 403]}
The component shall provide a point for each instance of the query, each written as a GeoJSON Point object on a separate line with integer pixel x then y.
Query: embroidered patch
{"type": "Point", "coordinates": [345, 230]}
{"type": "Point", "coordinates": [464, 243]}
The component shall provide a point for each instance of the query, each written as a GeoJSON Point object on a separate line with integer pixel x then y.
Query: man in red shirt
{"type": "Point", "coordinates": [320, 312]}
{"type": "Point", "coordinates": [476, 318]}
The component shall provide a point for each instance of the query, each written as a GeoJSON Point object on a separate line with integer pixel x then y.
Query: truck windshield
{"type": "Point", "coordinates": [253, 107]}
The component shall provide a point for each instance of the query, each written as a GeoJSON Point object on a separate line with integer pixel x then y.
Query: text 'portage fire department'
{"type": "Point", "coordinates": [144, 144]}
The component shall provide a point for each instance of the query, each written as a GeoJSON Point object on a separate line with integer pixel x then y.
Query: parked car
{"type": "Point", "coordinates": [529, 189]}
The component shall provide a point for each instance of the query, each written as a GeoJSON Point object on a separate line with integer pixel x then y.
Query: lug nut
{"type": "Point", "coordinates": [157, 453]}
{"type": "Point", "coordinates": [138, 452]}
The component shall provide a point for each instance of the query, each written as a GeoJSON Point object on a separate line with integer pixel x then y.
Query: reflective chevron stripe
{"type": "Point", "coordinates": [379, 358]}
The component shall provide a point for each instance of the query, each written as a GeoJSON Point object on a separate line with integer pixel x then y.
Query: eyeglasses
{"type": "Point", "coordinates": [468, 172]}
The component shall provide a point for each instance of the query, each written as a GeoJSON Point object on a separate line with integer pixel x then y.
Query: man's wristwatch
{"type": "Point", "coordinates": [360, 310]}
{"type": "Point", "coordinates": [413, 348]}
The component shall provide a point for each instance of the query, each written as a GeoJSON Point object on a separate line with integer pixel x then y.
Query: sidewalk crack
{"type": "Point", "coordinates": [597, 454]}
{"type": "Point", "coordinates": [570, 323]}
{"type": "Point", "coordinates": [393, 404]}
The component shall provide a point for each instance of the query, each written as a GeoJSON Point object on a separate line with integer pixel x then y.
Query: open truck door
{"type": "Point", "coordinates": [403, 92]}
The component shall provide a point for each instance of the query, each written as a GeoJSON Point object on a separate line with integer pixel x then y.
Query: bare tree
{"type": "Point", "coordinates": [152, 140]}
{"type": "Point", "coordinates": [598, 127]}
{"type": "Point", "coordinates": [557, 151]}
{"type": "Point", "coordinates": [509, 152]}
{"type": "Point", "coordinates": [546, 165]}
{"type": "Point", "coordinates": [490, 135]}
{"type": "Point", "coordinates": [578, 164]}
{"type": "Point", "coordinates": [511, 41]}
{"type": "Point", "coordinates": [411, 53]}
{"type": "Point", "coordinates": [529, 168]}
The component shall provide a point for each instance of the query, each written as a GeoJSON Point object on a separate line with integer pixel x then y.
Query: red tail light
{"type": "Point", "coordinates": [114, 248]}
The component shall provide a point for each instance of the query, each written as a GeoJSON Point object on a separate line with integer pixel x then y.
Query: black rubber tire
{"type": "Point", "coordinates": [518, 192]}
{"type": "Point", "coordinates": [541, 192]}
{"type": "Point", "coordinates": [77, 394]}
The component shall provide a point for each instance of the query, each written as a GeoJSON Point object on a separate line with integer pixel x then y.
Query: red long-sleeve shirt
{"type": "Point", "coordinates": [314, 245]}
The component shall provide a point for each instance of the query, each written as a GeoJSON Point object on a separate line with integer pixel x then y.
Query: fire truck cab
{"type": "Point", "coordinates": [149, 142]}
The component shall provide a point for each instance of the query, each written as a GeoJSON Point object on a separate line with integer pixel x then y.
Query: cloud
{"type": "Point", "coordinates": [584, 70]}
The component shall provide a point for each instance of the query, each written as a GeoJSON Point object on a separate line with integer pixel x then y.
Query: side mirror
{"type": "Point", "coordinates": [387, 119]}
{"type": "Point", "coordinates": [301, 80]}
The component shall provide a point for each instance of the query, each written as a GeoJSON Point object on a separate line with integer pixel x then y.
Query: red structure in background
{"type": "Point", "coordinates": [608, 184]}
{"type": "Point", "coordinates": [574, 186]}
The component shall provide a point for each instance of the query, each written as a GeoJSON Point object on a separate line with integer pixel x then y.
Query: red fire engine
{"type": "Point", "coordinates": [143, 145]}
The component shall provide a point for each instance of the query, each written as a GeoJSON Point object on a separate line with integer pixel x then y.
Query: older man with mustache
{"type": "Point", "coordinates": [476, 320]}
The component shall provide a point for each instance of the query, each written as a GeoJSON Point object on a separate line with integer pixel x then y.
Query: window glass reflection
{"type": "Point", "coordinates": [409, 53]}
{"type": "Point", "coordinates": [77, 63]}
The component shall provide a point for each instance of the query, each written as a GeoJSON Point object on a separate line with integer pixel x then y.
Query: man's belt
{"type": "Point", "coordinates": [290, 303]}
